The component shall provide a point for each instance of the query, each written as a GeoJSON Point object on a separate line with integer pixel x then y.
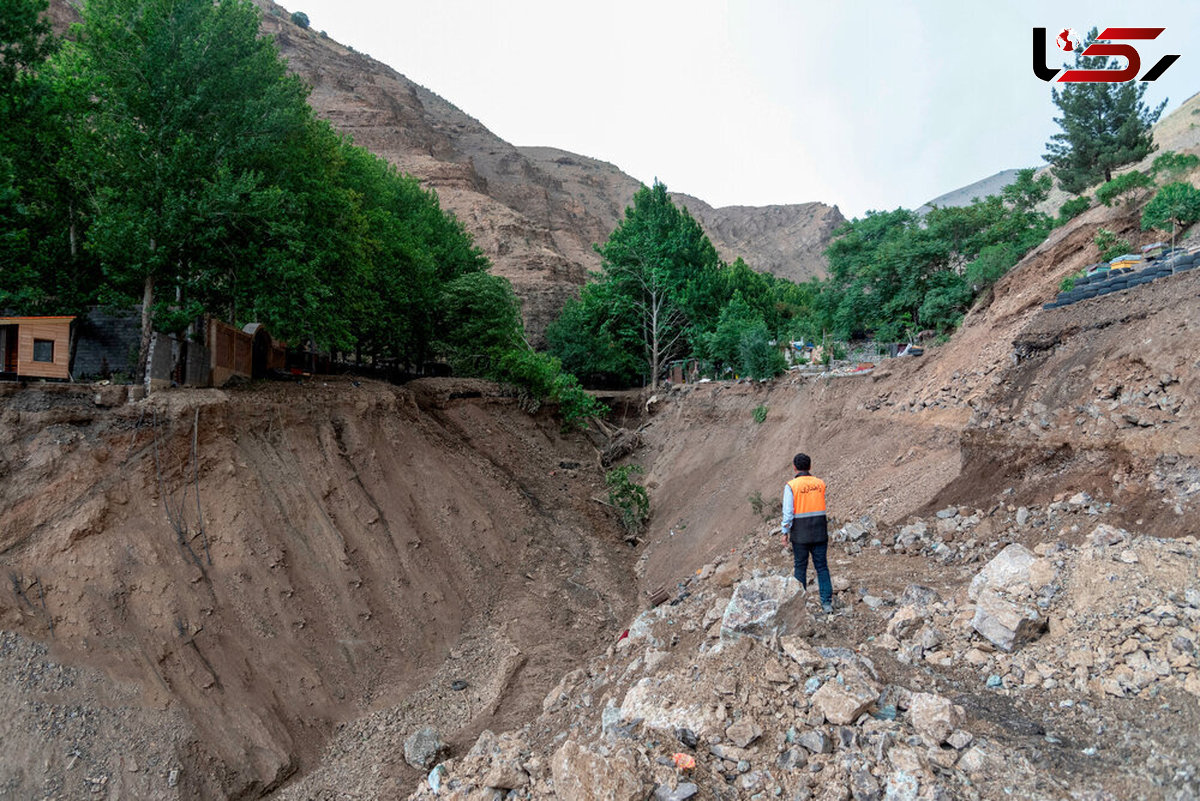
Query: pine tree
{"type": "Point", "coordinates": [1104, 125]}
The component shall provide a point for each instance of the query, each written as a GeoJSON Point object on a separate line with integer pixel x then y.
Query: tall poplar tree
{"type": "Point", "coordinates": [183, 109]}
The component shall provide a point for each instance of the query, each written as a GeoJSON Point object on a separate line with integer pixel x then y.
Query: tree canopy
{"type": "Point", "coordinates": [1176, 205]}
{"type": "Point", "coordinates": [664, 294]}
{"type": "Point", "coordinates": [166, 155]}
{"type": "Point", "coordinates": [891, 271]}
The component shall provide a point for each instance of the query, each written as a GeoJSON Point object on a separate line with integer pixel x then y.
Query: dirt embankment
{"type": "Point", "coordinates": [352, 547]}
{"type": "Point", "coordinates": [1021, 406]}
{"type": "Point", "coordinates": [1016, 601]}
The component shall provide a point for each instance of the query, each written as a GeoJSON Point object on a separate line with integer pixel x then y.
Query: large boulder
{"type": "Point", "coordinates": [1013, 567]}
{"type": "Point", "coordinates": [841, 704]}
{"type": "Point", "coordinates": [498, 760]}
{"type": "Point", "coordinates": [1004, 592]}
{"type": "Point", "coordinates": [760, 606]}
{"type": "Point", "coordinates": [424, 748]}
{"type": "Point", "coordinates": [668, 705]}
{"type": "Point", "coordinates": [585, 775]}
{"type": "Point", "coordinates": [1005, 622]}
{"type": "Point", "coordinates": [934, 717]}
{"type": "Point", "coordinates": [906, 621]}
{"type": "Point", "coordinates": [798, 649]}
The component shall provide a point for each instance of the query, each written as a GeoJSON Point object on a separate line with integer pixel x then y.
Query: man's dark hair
{"type": "Point", "coordinates": [801, 461]}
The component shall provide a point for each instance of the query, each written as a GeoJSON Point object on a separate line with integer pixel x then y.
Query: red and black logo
{"type": "Point", "coordinates": [1067, 41]}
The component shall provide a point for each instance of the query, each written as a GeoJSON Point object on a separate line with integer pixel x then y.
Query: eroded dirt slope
{"type": "Point", "coordinates": [1017, 598]}
{"type": "Point", "coordinates": [355, 540]}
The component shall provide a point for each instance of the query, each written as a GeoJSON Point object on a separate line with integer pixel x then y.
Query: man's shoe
{"type": "Point", "coordinates": [828, 608]}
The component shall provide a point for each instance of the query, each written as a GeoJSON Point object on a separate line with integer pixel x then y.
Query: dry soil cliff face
{"type": "Point", "coordinates": [352, 548]}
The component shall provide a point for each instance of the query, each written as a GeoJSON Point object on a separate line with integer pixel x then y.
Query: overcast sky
{"type": "Point", "coordinates": [869, 105]}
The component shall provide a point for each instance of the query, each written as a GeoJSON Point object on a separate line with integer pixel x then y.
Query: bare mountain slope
{"type": "Point", "coordinates": [964, 196]}
{"type": "Point", "coordinates": [786, 241]}
{"type": "Point", "coordinates": [536, 212]}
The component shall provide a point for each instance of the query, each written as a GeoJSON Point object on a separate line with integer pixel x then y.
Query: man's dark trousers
{"type": "Point", "coordinates": [800, 552]}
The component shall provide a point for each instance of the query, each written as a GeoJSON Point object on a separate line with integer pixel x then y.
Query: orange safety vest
{"type": "Point", "coordinates": [808, 507]}
{"type": "Point", "coordinates": [808, 495]}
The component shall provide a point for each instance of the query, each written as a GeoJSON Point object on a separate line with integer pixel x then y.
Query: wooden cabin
{"type": "Point", "coordinates": [35, 347]}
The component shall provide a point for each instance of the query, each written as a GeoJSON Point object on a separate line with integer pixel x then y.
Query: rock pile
{"type": "Point", "coordinates": [734, 690]}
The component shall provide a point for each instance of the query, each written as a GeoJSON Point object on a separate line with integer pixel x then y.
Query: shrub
{"type": "Point", "coordinates": [1073, 208]}
{"type": "Point", "coordinates": [630, 499]}
{"type": "Point", "coordinates": [1068, 283]}
{"type": "Point", "coordinates": [538, 377]}
{"type": "Point", "coordinates": [760, 413]}
{"type": "Point", "coordinates": [1110, 244]}
{"type": "Point", "coordinates": [575, 405]}
{"type": "Point", "coordinates": [1172, 163]}
{"type": "Point", "coordinates": [1130, 185]}
{"type": "Point", "coordinates": [300, 18]}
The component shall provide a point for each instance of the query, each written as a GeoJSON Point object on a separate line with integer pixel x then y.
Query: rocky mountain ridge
{"type": "Point", "coordinates": [535, 211]}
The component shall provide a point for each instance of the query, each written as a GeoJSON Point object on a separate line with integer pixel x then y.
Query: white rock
{"type": "Point", "coordinates": [660, 703]}
{"type": "Point", "coordinates": [585, 775]}
{"type": "Point", "coordinates": [843, 703]}
{"type": "Point", "coordinates": [934, 716]}
{"type": "Point", "coordinates": [756, 605]}
{"type": "Point", "coordinates": [1005, 623]}
{"type": "Point", "coordinates": [1013, 566]}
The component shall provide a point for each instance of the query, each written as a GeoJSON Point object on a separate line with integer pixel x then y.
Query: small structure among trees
{"type": "Point", "coordinates": [35, 347]}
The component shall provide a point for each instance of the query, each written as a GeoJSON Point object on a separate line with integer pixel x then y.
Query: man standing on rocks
{"type": "Point", "coordinates": [805, 528]}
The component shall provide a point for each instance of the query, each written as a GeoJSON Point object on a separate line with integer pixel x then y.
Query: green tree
{"type": "Point", "coordinates": [991, 265]}
{"type": "Point", "coordinates": [759, 356]}
{"type": "Point", "coordinates": [41, 268]}
{"type": "Point", "coordinates": [1025, 192]}
{"type": "Point", "coordinates": [656, 254]}
{"type": "Point", "coordinates": [1104, 125]}
{"type": "Point", "coordinates": [664, 294]}
{"type": "Point", "coordinates": [723, 345]}
{"type": "Point", "coordinates": [1177, 205]}
{"type": "Point", "coordinates": [480, 322]}
{"type": "Point", "coordinates": [892, 270]}
{"type": "Point", "coordinates": [597, 338]}
{"type": "Point", "coordinates": [184, 112]}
